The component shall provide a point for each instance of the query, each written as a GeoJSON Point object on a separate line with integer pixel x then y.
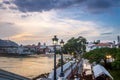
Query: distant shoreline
{"type": "Point", "coordinates": [24, 56]}
{"type": "Point", "coordinates": [12, 55]}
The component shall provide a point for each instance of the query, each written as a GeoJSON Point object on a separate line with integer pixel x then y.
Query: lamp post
{"type": "Point", "coordinates": [76, 76]}
{"type": "Point", "coordinates": [108, 61]}
{"type": "Point", "coordinates": [55, 41]}
{"type": "Point", "coordinates": [71, 70]}
{"type": "Point", "coordinates": [62, 44]}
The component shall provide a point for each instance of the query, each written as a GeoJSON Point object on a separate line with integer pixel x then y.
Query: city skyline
{"type": "Point", "coordinates": [33, 21]}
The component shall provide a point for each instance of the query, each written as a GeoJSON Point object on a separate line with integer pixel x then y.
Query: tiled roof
{"type": "Point", "coordinates": [103, 44]}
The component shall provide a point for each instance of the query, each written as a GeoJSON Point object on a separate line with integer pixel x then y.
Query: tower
{"type": "Point", "coordinates": [118, 39]}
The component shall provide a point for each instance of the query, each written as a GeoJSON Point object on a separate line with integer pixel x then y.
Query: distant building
{"type": "Point", "coordinates": [91, 46]}
{"type": "Point", "coordinates": [103, 45]}
{"type": "Point", "coordinates": [44, 49]}
{"type": "Point", "coordinates": [7, 46]}
{"type": "Point", "coordinates": [28, 49]}
{"type": "Point", "coordinates": [34, 49]}
{"type": "Point", "coordinates": [118, 43]}
{"type": "Point", "coordinates": [10, 47]}
{"type": "Point", "coordinates": [118, 38]}
{"type": "Point", "coordinates": [51, 48]}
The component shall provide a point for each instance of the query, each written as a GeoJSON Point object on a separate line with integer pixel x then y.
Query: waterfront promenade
{"type": "Point", "coordinates": [81, 70]}
{"type": "Point", "coordinates": [71, 69]}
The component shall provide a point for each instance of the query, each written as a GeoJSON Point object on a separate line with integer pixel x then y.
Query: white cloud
{"type": "Point", "coordinates": [42, 26]}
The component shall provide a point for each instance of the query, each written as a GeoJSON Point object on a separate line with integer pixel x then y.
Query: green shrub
{"type": "Point", "coordinates": [116, 65]}
{"type": "Point", "coordinates": [115, 74]}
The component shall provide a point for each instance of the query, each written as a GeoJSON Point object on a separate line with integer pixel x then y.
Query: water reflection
{"type": "Point", "coordinates": [28, 67]}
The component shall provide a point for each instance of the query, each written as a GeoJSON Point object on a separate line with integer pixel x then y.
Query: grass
{"type": "Point", "coordinates": [115, 74]}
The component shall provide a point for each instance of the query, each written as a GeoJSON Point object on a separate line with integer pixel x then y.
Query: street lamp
{"type": "Point", "coordinates": [55, 41]}
{"type": "Point", "coordinates": [62, 44]}
{"type": "Point", "coordinates": [108, 57]}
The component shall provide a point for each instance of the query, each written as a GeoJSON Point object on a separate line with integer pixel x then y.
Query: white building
{"type": "Point", "coordinates": [51, 47]}
{"type": "Point", "coordinates": [92, 46]}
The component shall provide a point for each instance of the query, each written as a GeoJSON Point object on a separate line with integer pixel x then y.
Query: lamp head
{"type": "Point", "coordinates": [55, 40]}
{"type": "Point", "coordinates": [62, 43]}
{"type": "Point", "coordinates": [108, 56]}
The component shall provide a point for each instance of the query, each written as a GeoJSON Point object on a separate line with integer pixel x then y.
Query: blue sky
{"type": "Point", "coordinates": [33, 21]}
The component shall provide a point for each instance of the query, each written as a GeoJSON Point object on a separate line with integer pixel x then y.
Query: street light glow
{"type": "Point", "coordinates": [108, 56]}
{"type": "Point", "coordinates": [55, 40]}
{"type": "Point", "coordinates": [62, 43]}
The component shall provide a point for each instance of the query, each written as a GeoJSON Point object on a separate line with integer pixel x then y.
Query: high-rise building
{"type": "Point", "coordinates": [118, 39]}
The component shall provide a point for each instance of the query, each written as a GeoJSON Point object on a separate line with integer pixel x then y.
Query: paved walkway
{"type": "Point", "coordinates": [74, 71]}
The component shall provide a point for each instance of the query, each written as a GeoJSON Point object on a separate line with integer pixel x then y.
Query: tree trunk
{"type": "Point", "coordinates": [105, 61]}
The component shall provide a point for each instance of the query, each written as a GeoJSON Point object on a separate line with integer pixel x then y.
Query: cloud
{"type": "Point", "coordinates": [41, 26]}
{"type": "Point", "coordinates": [98, 6]}
{"type": "Point", "coordinates": [94, 6]}
{"type": "Point", "coordinates": [6, 2]}
{"type": "Point", "coordinates": [43, 5]}
{"type": "Point", "coordinates": [107, 33]}
{"type": "Point", "coordinates": [33, 5]}
{"type": "Point", "coordinates": [34, 26]}
{"type": "Point", "coordinates": [21, 36]}
{"type": "Point", "coordinates": [8, 29]}
{"type": "Point", "coordinates": [1, 6]}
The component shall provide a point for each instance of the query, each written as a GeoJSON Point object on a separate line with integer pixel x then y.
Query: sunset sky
{"type": "Point", "coordinates": [33, 21]}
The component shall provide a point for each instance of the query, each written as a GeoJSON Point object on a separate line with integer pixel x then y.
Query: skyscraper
{"type": "Point", "coordinates": [118, 38]}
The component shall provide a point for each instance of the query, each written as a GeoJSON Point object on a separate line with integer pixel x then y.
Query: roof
{"type": "Point", "coordinates": [103, 44]}
{"type": "Point", "coordinates": [99, 70]}
{"type": "Point", "coordinates": [6, 43]}
{"type": "Point", "coordinates": [5, 75]}
{"type": "Point", "coordinates": [30, 46]}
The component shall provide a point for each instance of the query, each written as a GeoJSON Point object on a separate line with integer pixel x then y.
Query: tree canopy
{"type": "Point", "coordinates": [75, 45]}
{"type": "Point", "coordinates": [99, 54]}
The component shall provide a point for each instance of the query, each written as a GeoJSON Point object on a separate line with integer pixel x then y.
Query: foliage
{"type": "Point", "coordinates": [100, 54]}
{"type": "Point", "coordinates": [117, 55]}
{"type": "Point", "coordinates": [75, 45]}
{"type": "Point", "coordinates": [116, 64]}
{"type": "Point", "coordinates": [59, 63]}
{"type": "Point", "coordinates": [58, 52]}
{"type": "Point", "coordinates": [115, 74]}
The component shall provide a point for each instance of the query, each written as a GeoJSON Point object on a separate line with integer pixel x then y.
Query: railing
{"type": "Point", "coordinates": [67, 68]}
{"type": "Point", "coordinates": [70, 70]}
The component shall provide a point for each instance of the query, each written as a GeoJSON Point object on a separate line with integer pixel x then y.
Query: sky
{"type": "Point", "coordinates": [33, 21]}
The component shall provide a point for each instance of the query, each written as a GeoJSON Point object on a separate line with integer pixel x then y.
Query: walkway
{"type": "Point", "coordinates": [73, 71]}
{"type": "Point", "coordinates": [70, 69]}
